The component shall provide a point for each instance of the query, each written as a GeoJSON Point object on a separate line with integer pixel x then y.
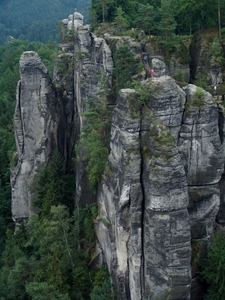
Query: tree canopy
{"type": "Point", "coordinates": [36, 20]}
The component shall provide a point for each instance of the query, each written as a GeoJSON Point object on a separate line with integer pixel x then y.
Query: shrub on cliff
{"type": "Point", "coordinates": [125, 67]}
{"type": "Point", "coordinates": [214, 268]}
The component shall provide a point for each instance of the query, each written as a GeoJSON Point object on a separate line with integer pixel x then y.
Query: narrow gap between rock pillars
{"type": "Point", "coordinates": [142, 216]}
{"type": "Point", "coordinates": [221, 124]}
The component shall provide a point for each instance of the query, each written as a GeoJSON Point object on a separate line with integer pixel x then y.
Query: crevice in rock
{"type": "Point", "coordinates": [221, 124]}
{"type": "Point", "coordinates": [142, 216]}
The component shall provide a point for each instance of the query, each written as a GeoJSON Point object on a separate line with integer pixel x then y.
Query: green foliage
{"type": "Point", "coordinates": [93, 144]}
{"type": "Point", "coordinates": [9, 70]}
{"type": "Point", "coordinates": [183, 52]}
{"type": "Point", "coordinates": [49, 257]}
{"type": "Point", "coordinates": [82, 286]}
{"type": "Point", "coordinates": [125, 67]}
{"type": "Point", "coordinates": [196, 14]}
{"type": "Point", "coordinates": [214, 268]}
{"type": "Point", "coordinates": [101, 9]}
{"type": "Point", "coordinates": [146, 18]}
{"type": "Point", "coordinates": [44, 291]}
{"type": "Point", "coordinates": [201, 81]}
{"type": "Point", "coordinates": [102, 292]}
{"type": "Point", "coordinates": [143, 93]}
{"type": "Point", "coordinates": [53, 186]}
{"type": "Point", "coordinates": [166, 27]}
{"type": "Point", "coordinates": [141, 98]}
{"type": "Point", "coordinates": [100, 276]}
{"type": "Point", "coordinates": [80, 55]}
{"type": "Point", "coordinates": [198, 99]}
{"type": "Point", "coordinates": [215, 52]}
{"type": "Point", "coordinates": [120, 22]}
{"type": "Point", "coordinates": [179, 75]}
{"type": "Point", "coordinates": [36, 20]}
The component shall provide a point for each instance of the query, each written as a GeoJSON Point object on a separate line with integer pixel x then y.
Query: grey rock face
{"type": "Point", "coordinates": [87, 61]}
{"type": "Point", "coordinates": [202, 154]}
{"type": "Point", "coordinates": [35, 130]}
{"type": "Point", "coordinates": [177, 148]}
{"type": "Point", "coordinates": [120, 198]}
{"type": "Point", "coordinates": [161, 190]}
{"type": "Point", "coordinates": [143, 222]}
{"type": "Point", "coordinates": [204, 62]}
{"type": "Point", "coordinates": [199, 141]}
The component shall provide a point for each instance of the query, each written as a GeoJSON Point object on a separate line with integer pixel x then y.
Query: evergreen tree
{"type": "Point", "coordinates": [214, 268]}
{"type": "Point", "coordinates": [196, 14]}
{"type": "Point", "coordinates": [102, 292]}
{"type": "Point", "coordinates": [44, 291]}
{"type": "Point", "coordinates": [167, 26]}
{"type": "Point", "coordinates": [101, 8]}
{"type": "Point", "coordinates": [124, 67]}
{"type": "Point", "coordinates": [120, 22]}
{"type": "Point", "coordinates": [146, 18]}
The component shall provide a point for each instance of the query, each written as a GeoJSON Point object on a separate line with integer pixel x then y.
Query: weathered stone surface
{"type": "Point", "coordinates": [202, 153]}
{"type": "Point", "coordinates": [161, 190]}
{"type": "Point", "coordinates": [117, 41]}
{"type": "Point", "coordinates": [75, 20]}
{"type": "Point", "coordinates": [159, 67]}
{"type": "Point", "coordinates": [166, 103]}
{"type": "Point", "coordinates": [118, 227]}
{"type": "Point", "coordinates": [144, 199]}
{"type": "Point", "coordinates": [166, 239]}
{"type": "Point", "coordinates": [35, 130]}
{"type": "Point", "coordinates": [221, 213]}
{"type": "Point", "coordinates": [204, 63]}
{"type": "Point", "coordinates": [199, 142]}
{"type": "Point", "coordinates": [89, 62]}
{"type": "Point", "coordinates": [176, 66]}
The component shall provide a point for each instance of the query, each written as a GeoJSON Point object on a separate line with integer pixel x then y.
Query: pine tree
{"type": "Point", "coordinates": [214, 268]}
{"type": "Point", "coordinates": [124, 67]}
{"type": "Point", "coordinates": [146, 18]}
{"type": "Point", "coordinates": [44, 291]}
{"type": "Point", "coordinates": [167, 26]}
{"type": "Point", "coordinates": [120, 22]}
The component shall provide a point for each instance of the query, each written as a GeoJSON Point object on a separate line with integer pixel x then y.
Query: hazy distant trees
{"type": "Point", "coordinates": [36, 20]}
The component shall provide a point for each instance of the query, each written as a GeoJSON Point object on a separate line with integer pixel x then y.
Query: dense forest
{"type": "Point", "coordinates": [36, 20]}
{"type": "Point", "coordinates": [180, 16]}
{"type": "Point", "coordinates": [37, 262]}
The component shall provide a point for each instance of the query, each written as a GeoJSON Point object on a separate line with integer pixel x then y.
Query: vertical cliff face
{"type": "Point", "coordinates": [206, 54]}
{"type": "Point", "coordinates": [143, 222]}
{"type": "Point", "coordinates": [83, 62]}
{"type": "Point", "coordinates": [160, 193]}
{"type": "Point", "coordinates": [35, 131]}
{"type": "Point", "coordinates": [203, 158]}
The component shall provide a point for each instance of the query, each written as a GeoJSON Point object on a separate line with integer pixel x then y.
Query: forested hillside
{"type": "Point", "coordinates": [153, 16]}
{"type": "Point", "coordinates": [51, 257]}
{"type": "Point", "coordinates": [9, 70]}
{"type": "Point", "coordinates": [36, 20]}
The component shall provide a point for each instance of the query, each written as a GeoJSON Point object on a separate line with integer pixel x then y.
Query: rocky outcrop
{"type": "Point", "coordinates": [206, 54]}
{"type": "Point", "coordinates": [143, 222]}
{"type": "Point", "coordinates": [203, 158]}
{"type": "Point", "coordinates": [88, 64]}
{"type": "Point", "coordinates": [35, 131]}
{"type": "Point", "coordinates": [147, 220]}
{"type": "Point", "coordinates": [161, 190]}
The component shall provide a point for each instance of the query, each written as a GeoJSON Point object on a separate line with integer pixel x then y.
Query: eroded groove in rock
{"type": "Point", "coordinates": [34, 131]}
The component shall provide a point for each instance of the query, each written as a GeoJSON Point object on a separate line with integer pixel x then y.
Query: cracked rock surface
{"type": "Point", "coordinates": [34, 130]}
